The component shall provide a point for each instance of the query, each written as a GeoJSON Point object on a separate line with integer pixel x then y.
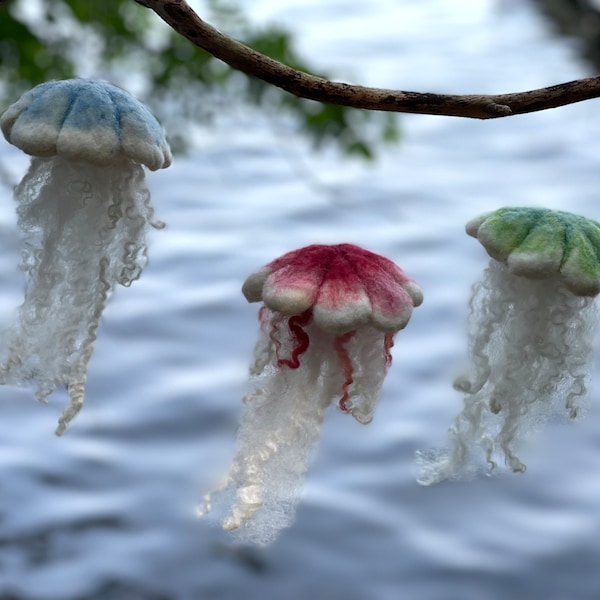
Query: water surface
{"type": "Point", "coordinates": [108, 510]}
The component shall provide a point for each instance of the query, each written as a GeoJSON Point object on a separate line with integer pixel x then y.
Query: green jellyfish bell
{"type": "Point", "coordinates": [539, 243]}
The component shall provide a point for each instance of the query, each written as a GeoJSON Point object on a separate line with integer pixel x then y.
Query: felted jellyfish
{"type": "Point", "coordinates": [531, 329]}
{"type": "Point", "coordinates": [83, 209]}
{"type": "Point", "coordinates": [327, 326]}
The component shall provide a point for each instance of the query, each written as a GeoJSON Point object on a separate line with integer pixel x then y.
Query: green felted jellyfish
{"type": "Point", "coordinates": [531, 331]}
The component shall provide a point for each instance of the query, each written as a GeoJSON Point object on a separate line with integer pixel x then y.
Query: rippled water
{"type": "Point", "coordinates": [108, 510]}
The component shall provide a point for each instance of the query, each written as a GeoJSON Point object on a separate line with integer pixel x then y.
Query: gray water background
{"type": "Point", "coordinates": [108, 511]}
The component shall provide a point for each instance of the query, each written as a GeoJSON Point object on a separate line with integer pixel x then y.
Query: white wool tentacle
{"type": "Point", "coordinates": [282, 416]}
{"type": "Point", "coordinates": [280, 425]}
{"type": "Point", "coordinates": [530, 353]}
{"type": "Point", "coordinates": [84, 231]}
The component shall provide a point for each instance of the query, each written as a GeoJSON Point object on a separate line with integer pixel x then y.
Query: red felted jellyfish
{"type": "Point", "coordinates": [328, 321]}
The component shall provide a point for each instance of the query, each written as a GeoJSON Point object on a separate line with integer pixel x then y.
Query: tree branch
{"type": "Point", "coordinates": [179, 15]}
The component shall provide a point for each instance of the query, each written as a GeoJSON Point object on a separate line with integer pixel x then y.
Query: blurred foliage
{"type": "Point", "coordinates": [125, 43]}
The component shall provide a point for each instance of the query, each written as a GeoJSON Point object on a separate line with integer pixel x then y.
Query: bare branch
{"type": "Point", "coordinates": [179, 15]}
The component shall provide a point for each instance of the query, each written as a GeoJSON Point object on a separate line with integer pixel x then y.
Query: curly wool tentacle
{"type": "Point", "coordinates": [347, 369]}
{"type": "Point", "coordinates": [538, 358]}
{"type": "Point", "coordinates": [84, 232]}
{"type": "Point", "coordinates": [480, 330]}
{"type": "Point", "coordinates": [76, 387]}
{"type": "Point", "coordinates": [265, 348]}
{"type": "Point", "coordinates": [282, 416]}
{"type": "Point", "coordinates": [370, 355]}
{"type": "Point", "coordinates": [280, 426]}
{"type": "Point", "coordinates": [299, 339]}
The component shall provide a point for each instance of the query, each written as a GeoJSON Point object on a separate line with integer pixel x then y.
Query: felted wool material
{"type": "Point", "coordinates": [539, 243]}
{"type": "Point", "coordinates": [83, 208]}
{"type": "Point", "coordinates": [327, 326]}
{"type": "Point", "coordinates": [532, 325]}
{"type": "Point", "coordinates": [345, 287]}
{"type": "Point", "coordinates": [85, 120]}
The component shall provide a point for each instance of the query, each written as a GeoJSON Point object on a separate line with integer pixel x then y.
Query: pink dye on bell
{"type": "Point", "coordinates": [326, 329]}
{"type": "Point", "coordinates": [340, 291]}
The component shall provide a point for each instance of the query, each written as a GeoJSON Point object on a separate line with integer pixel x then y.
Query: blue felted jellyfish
{"type": "Point", "coordinates": [531, 330]}
{"type": "Point", "coordinates": [83, 208]}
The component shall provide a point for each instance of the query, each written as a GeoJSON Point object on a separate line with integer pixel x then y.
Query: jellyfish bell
{"type": "Point", "coordinates": [531, 331]}
{"type": "Point", "coordinates": [86, 120]}
{"type": "Point", "coordinates": [83, 208]}
{"type": "Point", "coordinates": [327, 324]}
{"type": "Point", "coordinates": [539, 243]}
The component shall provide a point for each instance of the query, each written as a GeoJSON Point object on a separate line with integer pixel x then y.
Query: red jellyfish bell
{"type": "Point", "coordinates": [328, 321]}
{"type": "Point", "coordinates": [341, 305]}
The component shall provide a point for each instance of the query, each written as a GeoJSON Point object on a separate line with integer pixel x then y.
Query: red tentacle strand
{"type": "Point", "coordinates": [275, 322]}
{"type": "Point", "coordinates": [299, 338]}
{"type": "Point", "coordinates": [347, 368]}
{"type": "Point", "coordinates": [388, 344]}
